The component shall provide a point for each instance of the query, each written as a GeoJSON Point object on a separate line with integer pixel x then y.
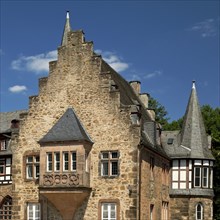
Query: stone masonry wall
{"type": "Point", "coordinates": [153, 189]}
{"type": "Point", "coordinates": [75, 80]}
{"type": "Point", "coordinates": [183, 208]}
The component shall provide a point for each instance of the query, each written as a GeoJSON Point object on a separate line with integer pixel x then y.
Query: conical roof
{"type": "Point", "coordinates": [67, 29]}
{"type": "Point", "coordinates": [193, 134]}
{"type": "Point", "coordinates": [67, 128]}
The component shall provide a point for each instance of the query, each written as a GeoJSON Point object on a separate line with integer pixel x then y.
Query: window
{"type": "Point", "coordinates": [109, 163]}
{"type": "Point", "coordinates": [203, 173]}
{"type": "Point", "coordinates": [49, 162]}
{"type": "Point", "coordinates": [165, 174]}
{"type": "Point", "coordinates": [57, 161]}
{"type": "Point", "coordinates": [5, 170]}
{"type": "Point", "coordinates": [61, 161]}
{"type": "Point", "coordinates": [32, 167]}
{"type": "Point", "coordinates": [199, 211]}
{"type": "Point", "coordinates": [205, 177]}
{"type": "Point", "coordinates": [3, 145]}
{"type": "Point", "coordinates": [109, 211]}
{"type": "Point", "coordinates": [197, 182]}
{"type": "Point", "coordinates": [2, 166]}
{"type": "Point", "coordinates": [33, 211]}
{"type": "Point", "coordinates": [73, 161]}
{"type": "Point", "coordinates": [65, 161]}
{"type": "Point", "coordinates": [5, 209]}
{"type": "Point", "coordinates": [165, 206]}
{"type": "Point", "coordinates": [152, 167]}
{"type": "Point", "coordinates": [151, 212]}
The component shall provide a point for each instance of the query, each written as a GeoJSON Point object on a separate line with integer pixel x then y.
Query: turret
{"type": "Point", "coordinates": [67, 29]}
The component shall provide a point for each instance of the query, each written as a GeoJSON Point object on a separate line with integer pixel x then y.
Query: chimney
{"type": "Point", "coordinates": [144, 98]}
{"type": "Point", "coordinates": [15, 123]}
{"type": "Point", "coordinates": [136, 85]}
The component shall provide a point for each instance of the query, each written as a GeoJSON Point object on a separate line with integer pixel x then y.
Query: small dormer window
{"type": "Point", "coordinates": [4, 145]}
{"type": "Point", "coordinates": [135, 119]}
{"type": "Point", "coordinates": [170, 141]}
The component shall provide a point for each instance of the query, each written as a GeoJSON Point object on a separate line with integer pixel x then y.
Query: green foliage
{"type": "Point", "coordinates": [160, 111]}
{"type": "Point", "coordinates": [174, 125]}
{"type": "Point", "coordinates": [212, 123]}
{"type": "Point", "coordinates": [211, 119]}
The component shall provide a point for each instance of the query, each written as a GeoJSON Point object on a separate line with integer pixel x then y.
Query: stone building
{"type": "Point", "coordinates": [89, 148]}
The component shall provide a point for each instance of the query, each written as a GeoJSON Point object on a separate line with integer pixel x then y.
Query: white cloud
{"type": "Point", "coordinates": [38, 63]}
{"type": "Point", "coordinates": [134, 77]}
{"type": "Point", "coordinates": [17, 89]}
{"type": "Point", "coordinates": [206, 28]}
{"type": "Point", "coordinates": [153, 74]}
{"type": "Point", "coordinates": [113, 60]}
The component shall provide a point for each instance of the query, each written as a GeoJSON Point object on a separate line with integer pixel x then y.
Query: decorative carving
{"type": "Point", "coordinates": [71, 179]}
{"type": "Point", "coordinates": [57, 179]}
{"type": "Point", "coordinates": [64, 179]}
{"type": "Point", "coordinates": [48, 180]}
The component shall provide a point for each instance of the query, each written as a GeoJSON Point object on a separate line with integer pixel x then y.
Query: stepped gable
{"type": "Point", "coordinates": [67, 128]}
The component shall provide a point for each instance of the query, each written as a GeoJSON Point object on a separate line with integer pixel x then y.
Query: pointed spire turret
{"type": "Point", "coordinates": [67, 29]}
{"type": "Point", "coordinates": [193, 134]}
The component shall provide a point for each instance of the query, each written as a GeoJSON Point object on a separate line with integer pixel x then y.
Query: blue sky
{"type": "Point", "coordinates": [163, 44]}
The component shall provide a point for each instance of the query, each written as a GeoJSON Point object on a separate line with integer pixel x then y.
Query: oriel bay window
{"type": "Point", "coordinates": [110, 163]}
{"type": "Point", "coordinates": [192, 173]}
{"type": "Point", "coordinates": [67, 161]}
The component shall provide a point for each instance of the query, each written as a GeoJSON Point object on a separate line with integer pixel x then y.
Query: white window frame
{"type": "Point", "coordinates": [33, 208]}
{"type": "Point", "coordinates": [49, 162]}
{"type": "Point", "coordinates": [109, 210]}
{"type": "Point", "coordinates": [211, 178]}
{"type": "Point", "coordinates": [32, 166]}
{"type": "Point", "coordinates": [65, 161]}
{"type": "Point", "coordinates": [109, 161]}
{"type": "Point", "coordinates": [73, 161]}
{"type": "Point", "coordinates": [200, 175]}
{"type": "Point", "coordinates": [4, 145]}
{"type": "Point", "coordinates": [205, 177]}
{"type": "Point", "coordinates": [197, 211]}
{"type": "Point", "coordinates": [56, 161]}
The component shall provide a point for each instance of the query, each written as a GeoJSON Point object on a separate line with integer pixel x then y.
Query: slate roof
{"type": "Point", "coordinates": [129, 98]}
{"type": "Point", "coordinates": [192, 140]}
{"type": "Point", "coordinates": [67, 128]}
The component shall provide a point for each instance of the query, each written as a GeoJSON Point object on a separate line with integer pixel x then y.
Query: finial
{"type": "Point", "coordinates": [67, 14]}
{"type": "Point", "coordinates": [193, 85]}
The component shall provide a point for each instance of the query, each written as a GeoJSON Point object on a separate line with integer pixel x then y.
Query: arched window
{"type": "Point", "coordinates": [199, 211]}
{"type": "Point", "coordinates": [5, 208]}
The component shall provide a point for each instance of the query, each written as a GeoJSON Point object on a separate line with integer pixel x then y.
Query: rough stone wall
{"type": "Point", "coordinates": [179, 208]}
{"type": "Point", "coordinates": [153, 190]}
{"type": "Point", "coordinates": [207, 205]}
{"type": "Point", "coordinates": [183, 208]}
{"type": "Point", "coordinates": [75, 80]}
